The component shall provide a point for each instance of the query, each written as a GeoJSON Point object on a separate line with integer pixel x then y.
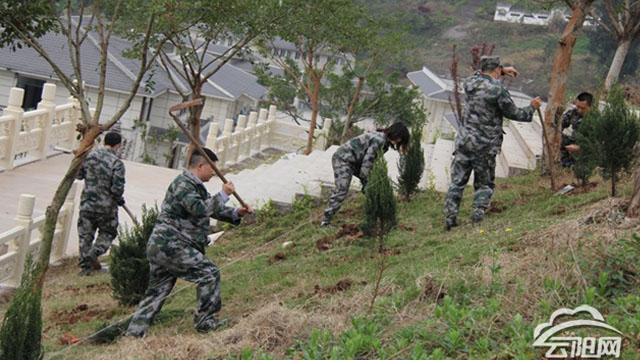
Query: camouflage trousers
{"type": "Point", "coordinates": [88, 223]}
{"type": "Point", "coordinates": [484, 170]}
{"type": "Point", "coordinates": [566, 159]}
{"type": "Point", "coordinates": [170, 259]}
{"type": "Point", "coordinates": [342, 173]}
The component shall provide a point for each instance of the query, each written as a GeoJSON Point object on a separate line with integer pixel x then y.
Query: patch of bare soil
{"type": "Point", "coordinates": [277, 257]}
{"type": "Point", "coordinates": [325, 243]}
{"type": "Point", "coordinates": [70, 290]}
{"type": "Point", "coordinates": [496, 207]}
{"type": "Point", "coordinates": [340, 286]}
{"type": "Point", "coordinates": [407, 228]}
{"type": "Point", "coordinates": [81, 313]}
{"type": "Point", "coordinates": [351, 232]}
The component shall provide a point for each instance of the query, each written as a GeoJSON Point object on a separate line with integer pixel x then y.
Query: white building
{"type": "Point", "coordinates": [505, 12]}
{"type": "Point", "coordinates": [229, 92]}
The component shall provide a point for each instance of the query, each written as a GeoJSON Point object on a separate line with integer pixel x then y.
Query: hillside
{"type": "Point", "coordinates": [530, 48]}
{"type": "Point", "coordinates": [476, 292]}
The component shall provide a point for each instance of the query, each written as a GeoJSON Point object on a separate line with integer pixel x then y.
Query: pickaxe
{"type": "Point", "coordinates": [133, 218]}
{"type": "Point", "coordinates": [191, 103]}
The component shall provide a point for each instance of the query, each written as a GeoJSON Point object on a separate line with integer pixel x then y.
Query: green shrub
{"type": "Point", "coordinates": [411, 165]}
{"type": "Point", "coordinates": [129, 266]}
{"type": "Point", "coordinates": [20, 336]}
{"type": "Point", "coordinates": [609, 136]}
{"type": "Point", "coordinates": [380, 203]}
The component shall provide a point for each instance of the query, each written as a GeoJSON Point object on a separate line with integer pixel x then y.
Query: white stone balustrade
{"type": "Point", "coordinates": [34, 133]}
{"type": "Point", "coordinates": [261, 130]}
{"type": "Point", "coordinates": [25, 238]}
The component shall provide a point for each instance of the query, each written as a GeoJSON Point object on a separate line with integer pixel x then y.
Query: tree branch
{"type": "Point", "coordinates": [144, 66]}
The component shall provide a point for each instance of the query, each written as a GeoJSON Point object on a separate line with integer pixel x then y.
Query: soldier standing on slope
{"type": "Point", "coordinates": [480, 136]}
{"type": "Point", "coordinates": [103, 174]}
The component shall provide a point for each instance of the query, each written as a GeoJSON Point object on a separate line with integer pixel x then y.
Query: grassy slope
{"type": "Point", "coordinates": [501, 279]}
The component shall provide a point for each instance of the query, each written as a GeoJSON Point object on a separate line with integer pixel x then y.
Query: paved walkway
{"type": "Point", "coordinates": [146, 184]}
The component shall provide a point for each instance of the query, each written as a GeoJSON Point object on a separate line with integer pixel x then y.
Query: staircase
{"type": "Point", "coordinates": [521, 148]}
{"type": "Point", "coordinates": [298, 174]}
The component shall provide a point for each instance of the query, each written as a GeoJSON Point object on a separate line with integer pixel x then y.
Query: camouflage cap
{"type": "Point", "coordinates": [489, 62]}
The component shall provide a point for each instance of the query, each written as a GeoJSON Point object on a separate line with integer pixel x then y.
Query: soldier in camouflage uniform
{"type": "Point", "coordinates": [103, 175]}
{"type": "Point", "coordinates": [176, 247]}
{"type": "Point", "coordinates": [570, 121]}
{"type": "Point", "coordinates": [356, 157]}
{"type": "Point", "coordinates": [480, 136]}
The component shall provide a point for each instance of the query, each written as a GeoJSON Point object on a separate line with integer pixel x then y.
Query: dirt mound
{"type": "Point", "coordinates": [325, 243]}
{"type": "Point", "coordinates": [496, 207]}
{"type": "Point", "coordinates": [277, 257]}
{"type": "Point", "coordinates": [351, 232]}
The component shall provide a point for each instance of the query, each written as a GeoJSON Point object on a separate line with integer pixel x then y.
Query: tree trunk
{"type": "Point", "coordinates": [352, 105]}
{"type": "Point", "coordinates": [633, 211]}
{"type": "Point", "coordinates": [314, 114]}
{"type": "Point", "coordinates": [616, 64]}
{"type": "Point", "coordinates": [613, 187]}
{"type": "Point", "coordinates": [58, 200]}
{"type": "Point", "coordinates": [561, 63]}
{"type": "Point", "coordinates": [194, 121]}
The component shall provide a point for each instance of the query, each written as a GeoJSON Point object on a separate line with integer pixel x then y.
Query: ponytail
{"type": "Point", "coordinates": [398, 132]}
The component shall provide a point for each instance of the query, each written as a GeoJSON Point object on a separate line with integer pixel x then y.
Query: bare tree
{"type": "Point", "coordinates": [624, 26]}
{"type": "Point", "coordinates": [196, 55]}
{"type": "Point", "coordinates": [98, 28]}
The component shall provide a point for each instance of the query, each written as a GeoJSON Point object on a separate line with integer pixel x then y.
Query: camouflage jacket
{"type": "Point", "coordinates": [186, 210]}
{"type": "Point", "coordinates": [103, 175]}
{"type": "Point", "coordinates": [487, 103]}
{"type": "Point", "coordinates": [361, 152]}
{"type": "Point", "coordinates": [570, 121]}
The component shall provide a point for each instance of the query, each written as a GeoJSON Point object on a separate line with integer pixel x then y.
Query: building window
{"type": "Point", "coordinates": [283, 52]}
{"type": "Point", "coordinates": [230, 42]}
{"type": "Point", "coordinates": [297, 55]}
{"type": "Point", "coordinates": [32, 91]}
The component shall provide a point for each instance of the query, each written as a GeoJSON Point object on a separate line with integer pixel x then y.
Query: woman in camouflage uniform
{"type": "Point", "coordinates": [356, 157]}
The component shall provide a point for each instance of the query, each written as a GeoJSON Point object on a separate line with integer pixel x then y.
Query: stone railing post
{"type": "Point", "coordinates": [24, 219]}
{"type": "Point", "coordinates": [64, 223]}
{"type": "Point", "coordinates": [226, 133]}
{"type": "Point", "coordinates": [250, 133]}
{"type": "Point", "coordinates": [212, 137]}
{"type": "Point", "coordinates": [272, 112]}
{"type": "Point", "coordinates": [47, 103]}
{"type": "Point", "coordinates": [262, 132]}
{"type": "Point", "coordinates": [14, 109]}
{"type": "Point", "coordinates": [239, 135]}
{"type": "Point", "coordinates": [323, 136]}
